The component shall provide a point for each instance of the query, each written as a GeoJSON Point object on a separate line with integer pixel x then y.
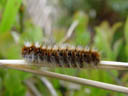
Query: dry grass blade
{"type": "Point", "coordinates": [102, 65]}
{"type": "Point", "coordinates": [114, 65]}
{"type": "Point", "coordinates": [69, 32]}
{"type": "Point", "coordinates": [16, 64]}
{"type": "Point", "coordinates": [49, 86]}
{"type": "Point", "coordinates": [32, 88]}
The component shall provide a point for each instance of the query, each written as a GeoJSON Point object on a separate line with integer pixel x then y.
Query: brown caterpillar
{"type": "Point", "coordinates": [62, 56]}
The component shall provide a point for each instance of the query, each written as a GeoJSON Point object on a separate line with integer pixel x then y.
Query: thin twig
{"type": "Point", "coordinates": [14, 65]}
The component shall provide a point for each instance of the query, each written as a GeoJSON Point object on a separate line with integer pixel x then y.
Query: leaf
{"type": "Point", "coordinates": [8, 18]}
{"type": "Point", "coordinates": [126, 30]}
{"type": "Point", "coordinates": [126, 36]}
{"type": "Point", "coordinates": [82, 35]}
{"type": "Point", "coordinates": [13, 83]}
{"type": "Point", "coordinates": [104, 37]}
{"type": "Point", "coordinates": [102, 40]}
{"type": "Point", "coordinates": [33, 34]}
{"type": "Point", "coordinates": [9, 15]}
{"type": "Point", "coordinates": [126, 51]}
{"type": "Point", "coordinates": [116, 47]}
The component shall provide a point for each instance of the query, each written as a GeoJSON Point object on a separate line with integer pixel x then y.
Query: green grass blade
{"type": "Point", "coordinates": [9, 15]}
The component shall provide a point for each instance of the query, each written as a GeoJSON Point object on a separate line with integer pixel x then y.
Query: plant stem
{"type": "Point", "coordinates": [102, 65]}
{"type": "Point", "coordinates": [16, 64]}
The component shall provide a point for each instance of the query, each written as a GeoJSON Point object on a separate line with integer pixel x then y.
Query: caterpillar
{"type": "Point", "coordinates": [62, 56]}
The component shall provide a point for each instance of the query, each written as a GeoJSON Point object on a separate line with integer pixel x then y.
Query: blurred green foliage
{"type": "Point", "coordinates": [108, 36]}
{"type": "Point", "coordinates": [104, 39]}
{"type": "Point", "coordinates": [81, 31]}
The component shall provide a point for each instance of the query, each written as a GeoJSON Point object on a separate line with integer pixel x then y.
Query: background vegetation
{"type": "Point", "coordinates": [103, 24]}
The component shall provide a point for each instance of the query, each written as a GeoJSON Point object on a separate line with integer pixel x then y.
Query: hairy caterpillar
{"type": "Point", "coordinates": [62, 56]}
